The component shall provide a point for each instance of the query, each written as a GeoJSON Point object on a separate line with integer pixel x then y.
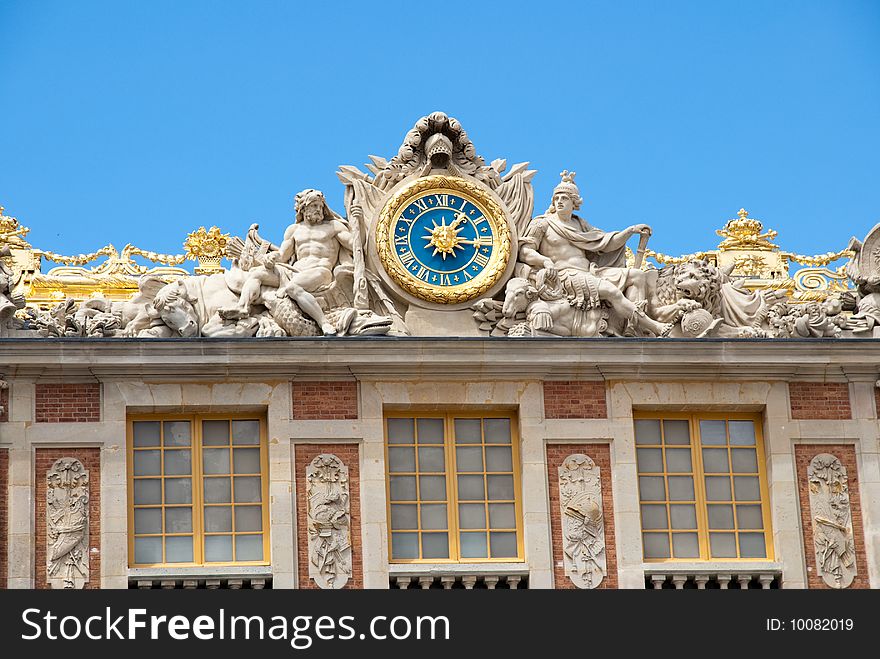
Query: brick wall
{"type": "Point", "coordinates": [4, 405]}
{"type": "Point", "coordinates": [91, 460]}
{"type": "Point", "coordinates": [846, 453]}
{"type": "Point", "coordinates": [4, 516]}
{"type": "Point", "coordinates": [325, 400]}
{"type": "Point", "coordinates": [349, 455]}
{"type": "Point", "coordinates": [574, 400]}
{"type": "Point", "coordinates": [78, 402]}
{"type": "Point", "coordinates": [601, 455]}
{"type": "Point", "coordinates": [819, 400]}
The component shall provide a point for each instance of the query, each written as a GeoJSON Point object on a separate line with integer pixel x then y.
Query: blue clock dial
{"type": "Point", "coordinates": [443, 239]}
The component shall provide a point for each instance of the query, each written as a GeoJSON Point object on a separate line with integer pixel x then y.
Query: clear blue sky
{"type": "Point", "coordinates": [139, 121]}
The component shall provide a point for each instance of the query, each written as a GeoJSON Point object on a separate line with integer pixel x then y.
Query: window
{"type": "Point", "coordinates": [197, 491]}
{"type": "Point", "coordinates": [453, 481]}
{"type": "Point", "coordinates": [702, 487]}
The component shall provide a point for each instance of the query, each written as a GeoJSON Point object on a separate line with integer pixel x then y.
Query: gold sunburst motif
{"type": "Point", "coordinates": [444, 237]}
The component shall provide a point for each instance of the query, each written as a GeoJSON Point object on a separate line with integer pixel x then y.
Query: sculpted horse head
{"type": "Point", "coordinates": [174, 306]}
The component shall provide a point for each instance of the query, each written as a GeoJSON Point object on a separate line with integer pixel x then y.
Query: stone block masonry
{"type": "Point", "coordinates": [819, 400]}
{"type": "Point", "coordinates": [64, 403]}
{"type": "Point", "coordinates": [4, 517]}
{"type": "Point", "coordinates": [582, 399]}
{"type": "Point", "coordinates": [4, 404]}
{"type": "Point", "coordinates": [325, 400]}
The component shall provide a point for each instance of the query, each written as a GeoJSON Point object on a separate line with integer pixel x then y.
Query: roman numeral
{"type": "Point", "coordinates": [479, 221]}
{"type": "Point", "coordinates": [406, 258]}
{"type": "Point", "coordinates": [421, 204]}
{"type": "Point", "coordinates": [442, 199]}
{"type": "Point", "coordinates": [400, 241]}
{"type": "Point", "coordinates": [463, 204]}
{"type": "Point", "coordinates": [481, 259]}
{"type": "Point", "coordinates": [467, 277]}
{"type": "Point", "coordinates": [444, 280]}
{"type": "Point", "coordinates": [423, 273]}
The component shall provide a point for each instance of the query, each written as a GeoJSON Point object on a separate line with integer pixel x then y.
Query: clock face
{"type": "Point", "coordinates": [443, 240]}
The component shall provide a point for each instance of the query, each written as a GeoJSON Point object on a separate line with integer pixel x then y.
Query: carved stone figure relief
{"type": "Point", "coordinates": [67, 524]}
{"type": "Point", "coordinates": [583, 526]}
{"type": "Point", "coordinates": [329, 521]}
{"type": "Point", "coordinates": [832, 521]}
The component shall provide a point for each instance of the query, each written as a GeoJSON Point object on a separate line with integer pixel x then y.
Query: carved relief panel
{"type": "Point", "coordinates": [583, 526]}
{"type": "Point", "coordinates": [329, 521]}
{"type": "Point", "coordinates": [67, 524]}
{"type": "Point", "coordinates": [832, 521]}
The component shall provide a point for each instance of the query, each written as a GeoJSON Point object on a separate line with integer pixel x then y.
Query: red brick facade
{"type": "Point", "coordinates": [819, 400]}
{"type": "Point", "coordinates": [846, 453]}
{"type": "Point", "coordinates": [4, 405]}
{"type": "Point", "coordinates": [59, 403]}
{"type": "Point", "coordinates": [576, 399]}
{"type": "Point", "coordinates": [349, 455]}
{"type": "Point", "coordinates": [91, 460]}
{"type": "Point", "coordinates": [4, 516]}
{"type": "Point", "coordinates": [601, 455]}
{"type": "Point", "coordinates": [325, 400]}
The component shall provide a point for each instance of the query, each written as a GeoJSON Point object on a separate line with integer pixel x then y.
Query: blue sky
{"type": "Point", "coordinates": [140, 121]}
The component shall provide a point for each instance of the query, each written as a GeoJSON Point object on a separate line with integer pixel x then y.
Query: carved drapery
{"type": "Point", "coordinates": [67, 524]}
{"type": "Point", "coordinates": [329, 521]}
{"type": "Point", "coordinates": [583, 526]}
{"type": "Point", "coordinates": [832, 521]}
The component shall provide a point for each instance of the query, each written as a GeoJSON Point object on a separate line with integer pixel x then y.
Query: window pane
{"type": "Point", "coordinates": [712, 432]}
{"type": "Point", "coordinates": [148, 520]}
{"type": "Point", "coordinates": [431, 459]}
{"type": "Point", "coordinates": [401, 459]}
{"type": "Point", "coordinates": [472, 515]}
{"type": "Point", "coordinates": [722, 545]}
{"type": "Point", "coordinates": [435, 545]}
{"type": "Point", "coordinates": [218, 548]}
{"type": "Point", "coordinates": [218, 519]}
{"type": "Point", "coordinates": [246, 460]}
{"type": "Point", "coordinates": [720, 517]}
{"type": "Point", "coordinates": [499, 458]}
{"type": "Point", "coordinates": [249, 548]}
{"type": "Point", "coordinates": [146, 433]}
{"type": "Point", "coordinates": [245, 432]}
{"type": "Point", "coordinates": [215, 460]}
{"type": "Point", "coordinates": [404, 545]}
{"type": "Point", "coordinates": [681, 488]}
{"type": "Point", "coordinates": [751, 545]}
{"type": "Point", "coordinates": [178, 520]}
{"type": "Point", "coordinates": [718, 488]}
{"type": "Point", "coordinates": [471, 488]}
{"type": "Point", "coordinates": [650, 460]}
{"type": "Point", "coordinates": [651, 488]}
{"type": "Point", "coordinates": [247, 489]}
{"type": "Point", "coordinates": [248, 518]}
{"type": "Point", "coordinates": [745, 460]}
{"type": "Point", "coordinates": [685, 545]}
{"type": "Point", "coordinates": [215, 433]}
{"type": "Point", "coordinates": [404, 516]}
{"type": "Point", "coordinates": [467, 431]}
{"type": "Point", "coordinates": [177, 433]}
{"type": "Point", "coordinates": [684, 516]}
{"type": "Point", "coordinates": [432, 488]}
{"type": "Point", "coordinates": [500, 488]}
{"type": "Point", "coordinates": [676, 431]}
{"type": "Point", "coordinates": [400, 431]}
{"type": "Point", "coordinates": [678, 460]}
{"type": "Point", "coordinates": [503, 545]}
{"type": "Point", "coordinates": [746, 488]}
{"type": "Point", "coordinates": [742, 433]}
{"type": "Point", "coordinates": [178, 490]}
{"type": "Point", "coordinates": [178, 462]}
{"type": "Point", "coordinates": [469, 458]}
{"type": "Point", "coordinates": [403, 488]}
{"type": "Point", "coordinates": [147, 491]}
{"type": "Point", "coordinates": [647, 431]}
{"type": "Point", "coordinates": [715, 461]}
{"type": "Point", "coordinates": [749, 517]}
{"type": "Point", "coordinates": [147, 550]}
{"type": "Point", "coordinates": [146, 463]}
{"type": "Point", "coordinates": [218, 490]}
{"type": "Point", "coordinates": [430, 431]}
{"type": "Point", "coordinates": [179, 549]}
{"type": "Point", "coordinates": [434, 516]}
{"type": "Point", "coordinates": [654, 517]}
{"type": "Point", "coordinates": [502, 516]}
{"type": "Point", "coordinates": [497, 431]}
{"type": "Point", "coordinates": [656, 545]}
{"type": "Point", "coordinates": [473, 545]}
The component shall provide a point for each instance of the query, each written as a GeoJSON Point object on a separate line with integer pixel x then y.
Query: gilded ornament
{"type": "Point", "coordinates": [208, 247]}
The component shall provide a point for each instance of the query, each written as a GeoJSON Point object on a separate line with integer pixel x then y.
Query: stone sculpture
{"type": "Point", "coordinates": [864, 270]}
{"type": "Point", "coordinates": [832, 521]}
{"type": "Point", "coordinates": [329, 521]}
{"type": "Point", "coordinates": [67, 524]}
{"type": "Point", "coordinates": [583, 529]}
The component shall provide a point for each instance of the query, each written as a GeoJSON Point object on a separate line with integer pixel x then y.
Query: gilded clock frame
{"type": "Point", "coordinates": [477, 195]}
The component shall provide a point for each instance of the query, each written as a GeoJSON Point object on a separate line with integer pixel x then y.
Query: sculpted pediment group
{"type": "Point", "coordinates": [434, 241]}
